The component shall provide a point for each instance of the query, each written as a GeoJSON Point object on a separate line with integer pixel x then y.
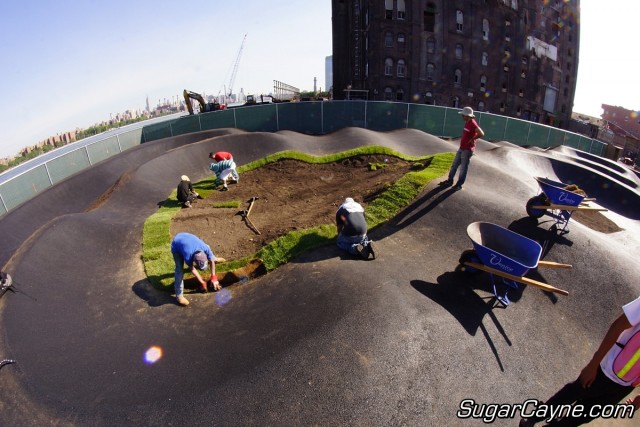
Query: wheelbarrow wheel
{"type": "Point", "coordinates": [468, 256]}
{"type": "Point", "coordinates": [539, 200]}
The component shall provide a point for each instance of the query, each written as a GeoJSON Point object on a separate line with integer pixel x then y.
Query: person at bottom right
{"type": "Point", "coordinates": [611, 374]}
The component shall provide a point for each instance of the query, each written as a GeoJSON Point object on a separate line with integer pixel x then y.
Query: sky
{"type": "Point", "coordinates": [67, 63]}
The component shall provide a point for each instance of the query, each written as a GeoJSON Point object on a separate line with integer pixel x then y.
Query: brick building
{"type": "Point", "coordinates": [516, 58]}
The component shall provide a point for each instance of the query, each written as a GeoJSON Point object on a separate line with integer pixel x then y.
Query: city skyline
{"type": "Point", "coordinates": [101, 60]}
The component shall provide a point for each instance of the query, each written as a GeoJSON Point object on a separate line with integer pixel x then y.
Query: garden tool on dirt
{"type": "Point", "coordinates": [245, 216]}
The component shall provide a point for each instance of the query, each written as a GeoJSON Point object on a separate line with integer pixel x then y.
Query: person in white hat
{"type": "Point", "coordinates": [352, 230]}
{"type": "Point", "coordinates": [186, 194]}
{"type": "Point", "coordinates": [470, 134]}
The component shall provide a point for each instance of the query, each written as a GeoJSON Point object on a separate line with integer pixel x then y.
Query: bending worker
{"type": "Point", "coordinates": [352, 229]}
{"type": "Point", "coordinates": [189, 249]}
{"type": "Point", "coordinates": [224, 167]}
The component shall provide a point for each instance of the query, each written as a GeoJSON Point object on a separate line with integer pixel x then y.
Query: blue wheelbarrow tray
{"type": "Point", "coordinates": [504, 250]}
{"type": "Point", "coordinates": [508, 254]}
{"type": "Point", "coordinates": [557, 194]}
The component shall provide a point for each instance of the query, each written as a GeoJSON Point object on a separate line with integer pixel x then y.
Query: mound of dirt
{"type": "Point", "coordinates": [290, 195]}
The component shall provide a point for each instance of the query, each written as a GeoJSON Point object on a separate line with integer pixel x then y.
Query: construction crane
{"type": "Point", "coordinates": [235, 68]}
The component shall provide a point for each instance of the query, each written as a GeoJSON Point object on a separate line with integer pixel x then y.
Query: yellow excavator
{"type": "Point", "coordinates": [205, 107]}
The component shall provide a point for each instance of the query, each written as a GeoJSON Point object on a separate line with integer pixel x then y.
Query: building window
{"type": "Point", "coordinates": [402, 13]}
{"type": "Point", "coordinates": [431, 45]}
{"type": "Point", "coordinates": [569, 52]}
{"type": "Point", "coordinates": [456, 102]}
{"type": "Point", "coordinates": [459, 21]}
{"type": "Point", "coordinates": [566, 92]}
{"type": "Point", "coordinates": [485, 58]}
{"type": "Point", "coordinates": [399, 95]}
{"type": "Point", "coordinates": [514, 4]}
{"type": "Point", "coordinates": [429, 17]}
{"type": "Point", "coordinates": [519, 111]}
{"type": "Point", "coordinates": [568, 65]}
{"type": "Point", "coordinates": [524, 60]}
{"type": "Point", "coordinates": [485, 29]}
{"type": "Point", "coordinates": [401, 68]}
{"type": "Point", "coordinates": [388, 39]}
{"type": "Point", "coordinates": [483, 84]}
{"type": "Point", "coordinates": [504, 87]}
{"type": "Point", "coordinates": [388, 67]}
{"type": "Point", "coordinates": [567, 79]}
{"type": "Point", "coordinates": [523, 74]}
{"type": "Point", "coordinates": [401, 44]}
{"type": "Point", "coordinates": [502, 107]}
{"type": "Point", "coordinates": [430, 71]}
{"type": "Point", "coordinates": [481, 106]}
{"type": "Point", "coordinates": [388, 9]}
{"type": "Point", "coordinates": [388, 94]}
{"type": "Point", "coordinates": [521, 93]}
{"type": "Point", "coordinates": [457, 77]}
{"type": "Point", "coordinates": [458, 51]}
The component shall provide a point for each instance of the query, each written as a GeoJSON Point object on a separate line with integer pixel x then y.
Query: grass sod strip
{"type": "Point", "coordinates": [157, 258]}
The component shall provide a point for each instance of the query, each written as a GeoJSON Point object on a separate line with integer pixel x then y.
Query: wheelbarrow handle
{"type": "Point", "coordinates": [552, 264]}
{"type": "Point", "coordinates": [520, 279]}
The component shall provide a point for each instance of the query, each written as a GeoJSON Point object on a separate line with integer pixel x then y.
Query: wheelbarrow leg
{"type": "Point", "coordinates": [503, 298]}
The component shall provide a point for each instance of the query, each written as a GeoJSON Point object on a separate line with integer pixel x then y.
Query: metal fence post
{"type": "Point", "coordinates": [199, 122]}
{"type": "Point", "coordinates": [444, 122]}
{"type": "Point", "coordinates": [46, 167]}
{"type": "Point", "coordinates": [322, 118]}
{"type": "Point", "coordinates": [277, 119]}
{"type": "Point", "coordinates": [406, 125]}
{"type": "Point", "coordinates": [118, 139]}
{"type": "Point", "coordinates": [86, 150]}
{"type": "Point", "coordinates": [4, 204]}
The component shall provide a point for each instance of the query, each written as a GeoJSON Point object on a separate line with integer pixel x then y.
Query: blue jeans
{"type": "Point", "coordinates": [349, 243]}
{"type": "Point", "coordinates": [178, 284]}
{"type": "Point", "coordinates": [462, 159]}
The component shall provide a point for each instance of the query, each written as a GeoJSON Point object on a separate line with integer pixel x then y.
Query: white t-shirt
{"type": "Point", "coordinates": [632, 312]}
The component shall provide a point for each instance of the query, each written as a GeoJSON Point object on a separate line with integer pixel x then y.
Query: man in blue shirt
{"type": "Point", "coordinates": [196, 254]}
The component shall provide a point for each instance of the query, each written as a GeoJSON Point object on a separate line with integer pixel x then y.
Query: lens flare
{"type": "Point", "coordinates": [153, 355]}
{"type": "Point", "coordinates": [223, 296]}
{"type": "Point", "coordinates": [633, 115]}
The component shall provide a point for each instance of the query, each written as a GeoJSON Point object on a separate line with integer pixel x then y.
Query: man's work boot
{"type": "Point", "coordinates": [182, 301]}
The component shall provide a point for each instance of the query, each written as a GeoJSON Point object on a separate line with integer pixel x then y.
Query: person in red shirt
{"type": "Point", "coordinates": [470, 133]}
{"type": "Point", "coordinates": [220, 156]}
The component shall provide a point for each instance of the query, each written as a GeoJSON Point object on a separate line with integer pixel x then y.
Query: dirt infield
{"type": "Point", "coordinates": [290, 195]}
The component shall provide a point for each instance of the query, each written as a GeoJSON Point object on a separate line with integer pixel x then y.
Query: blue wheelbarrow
{"type": "Point", "coordinates": [560, 199]}
{"type": "Point", "coordinates": [506, 254]}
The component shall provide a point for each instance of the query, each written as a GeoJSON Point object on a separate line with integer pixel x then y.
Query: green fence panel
{"type": "Point", "coordinates": [187, 124]}
{"type": "Point", "coordinates": [157, 131]}
{"type": "Point", "coordinates": [556, 137]}
{"type": "Point", "coordinates": [571, 140]}
{"type": "Point", "coordinates": [257, 118]}
{"type": "Point", "coordinates": [517, 131]}
{"type": "Point", "coordinates": [218, 120]}
{"type": "Point", "coordinates": [426, 118]}
{"type": "Point", "coordinates": [304, 117]}
{"type": "Point", "coordinates": [68, 164]}
{"type": "Point", "coordinates": [539, 136]}
{"type": "Point", "coordinates": [342, 114]}
{"type": "Point", "coordinates": [3, 210]}
{"type": "Point", "coordinates": [102, 150]}
{"type": "Point", "coordinates": [385, 116]}
{"type": "Point", "coordinates": [130, 139]}
{"type": "Point", "coordinates": [599, 148]}
{"type": "Point", "coordinates": [585, 144]}
{"type": "Point", "coordinates": [453, 123]}
{"type": "Point", "coordinates": [25, 186]}
{"type": "Point", "coordinates": [493, 126]}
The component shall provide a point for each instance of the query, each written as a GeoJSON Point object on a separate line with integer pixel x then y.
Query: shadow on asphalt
{"type": "Point", "coordinates": [455, 293]}
{"type": "Point", "coordinates": [411, 213]}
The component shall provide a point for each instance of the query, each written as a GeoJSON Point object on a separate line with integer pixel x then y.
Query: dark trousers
{"type": "Point", "coordinates": [603, 391]}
